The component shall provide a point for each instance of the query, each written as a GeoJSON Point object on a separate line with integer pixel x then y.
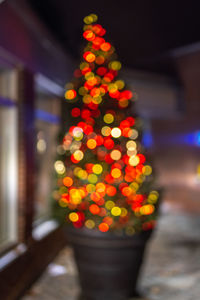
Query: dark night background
{"type": "Point", "coordinates": [144, 32]}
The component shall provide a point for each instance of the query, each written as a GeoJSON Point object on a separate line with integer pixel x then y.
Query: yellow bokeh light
{"type": "Point", "coordinates": [90, 19]}
{"type": "Point", "coordinates": [112, 87]}
{"type": "Point", "coordinates": [116, 211]}
{"type": "Point", "coordinates": [198, 170]}
{"type": "Point", "coordinates": [90, 188]}
{"type": "Point", "coordinates": [63, 190]}
{"type": "Point", "coordinates": [78, 155]}
{"type": "Point", "coordinates": [116, 173]}
{"type": "Point", "coordinates": [140, 178]}
{"type": "Point", "coordinates": [124, 212]}
{"type": "Point", "coordinates": [82, 174]}
{"type": "Point", "coordinates": [87, 99]}
{"type": "Point", "coordinates": [153, 197]}
{"type": "Point", "coordinates": [115, 65]}
{"type": "Point", "coordinates": [115, 154]}
{"type": "Point", "coordinates": [73, 217]}
{"type": "Point", "coordinates": [76, 170]}
{"type": "Point", "coordinates": [75, 196]}
{"type": "Point", "coordinates": [106, 130]}
{"type": "Point", "coordinates": [97, 169]}
{"type": "Point", "coordinates": [120, 84]}
{"type": "Point", "coordinates": [89, 75]}
{"type": "Point", "coordinates": [82, 192]}
{"type": "Point", "coordinates": [134, 186]}
{"type": "Point", "coordinates": [134, 161]}
{"type": "Point", "coordinates": [62, 203]}
{"type": "Point", "coordinates": [116, 132]}
{"type": "Point", "coordinates": [147, 170]}
{"type": "Point", "coordinates": [92, 178]}
{"type": "Point", "coordinates": [82, 91]}
{"type": "Point", "coordinates": [84, 65]}
{"type": "Point", "coordinates": [109, 204]}
{"type": "Point", "coordinates": [108, 118]}
{"type": "Point", "coordinates": [97, 99]}
{"type": "Point", "coordinates": [90, 224]}
{"type": "Point", "coordinates": [94, 16]}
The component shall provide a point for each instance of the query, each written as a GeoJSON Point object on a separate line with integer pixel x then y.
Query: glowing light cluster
{"type": "Point", "coordinates": [103, 168]}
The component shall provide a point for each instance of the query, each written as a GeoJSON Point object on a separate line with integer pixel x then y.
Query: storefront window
{"type": "Point", "coordinates": [8, 158]}
{"type": "Point", "coordinates": [47, 116]}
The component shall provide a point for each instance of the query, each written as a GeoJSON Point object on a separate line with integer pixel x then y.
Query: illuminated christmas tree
{"type": "Point", "coordinates": [103, 177]}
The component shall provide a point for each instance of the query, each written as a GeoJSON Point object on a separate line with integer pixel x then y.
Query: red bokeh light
{"type": "Point", "coordinates": [75, 112]}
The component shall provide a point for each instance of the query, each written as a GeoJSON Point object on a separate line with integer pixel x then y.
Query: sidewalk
{"type": "Point", "coordinates": [172, 269]}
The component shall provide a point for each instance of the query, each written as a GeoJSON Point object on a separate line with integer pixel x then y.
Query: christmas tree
{"type": "Point", "coordinates": [103, 178]}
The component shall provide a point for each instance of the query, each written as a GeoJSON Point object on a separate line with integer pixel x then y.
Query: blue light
{"type": "Point", "coordinates": [197, 138]}
{"type": "Point", "coordinates": [6, 102]}
{"type": "Point", "coordinates": [46, 116]}
{"type": "Point", "coordinates": [189, 139]}
{"type": "Point", "coordinates": [147, 139]}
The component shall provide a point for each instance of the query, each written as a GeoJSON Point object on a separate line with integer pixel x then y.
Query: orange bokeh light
{"type": "Point", "coordinates": [116, 173]}
{"type": "Point", "coordinates": [111, 190]}
{"type": "Point", "coordinates": [91, 144]}
{"type": "Point", "coordinates": [70, 94]}
{"type": "Point", "coordinates": [89, 35]}
{"type": "Point", "coordinates": [100, 60]}
{"type": "Point", "coordinates": [94, 209]}
{"type": "Point", "coordinates": [103, 227]}
{"type": "Point", "coordinates": [68, 181]}
{"type": "Point", "coordinates": [127, 191]}
{"type": "Point", "coordinates": [105, 47]}
{"type": "Point", "coordinates": [89, 56]}
{"type": "Point", "coordinates": [108, 220]}
{"type": "Point", "coordinates": [100, 188]}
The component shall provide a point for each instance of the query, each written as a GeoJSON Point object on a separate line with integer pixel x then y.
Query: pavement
{"type": "Point", "coordinates": [171, 270]}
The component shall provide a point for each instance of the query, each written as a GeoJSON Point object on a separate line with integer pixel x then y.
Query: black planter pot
{"type": "Point", "coordinates": [108, 264]}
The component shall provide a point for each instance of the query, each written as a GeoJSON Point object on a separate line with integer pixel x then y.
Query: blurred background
{"type": "Point", "coordinates": [158, 44]}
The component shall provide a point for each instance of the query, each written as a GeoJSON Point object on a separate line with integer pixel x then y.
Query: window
{"type": "Point", "coordinates": [8, 157]}
{"type": "Point", "coordinates": [47, 116]}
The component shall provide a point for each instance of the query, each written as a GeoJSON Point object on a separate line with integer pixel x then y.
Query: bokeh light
{"type": "Point", "coordinates": [70, 94]}
{"type": "Point", "coordinates": [102, 169]}
{"type": "Point", "coordinates": [116, 132]}
{"type": "Point", "coordinates": [68, 181]}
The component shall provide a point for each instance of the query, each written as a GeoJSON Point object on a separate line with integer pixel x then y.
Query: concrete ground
{"type": "Point", "coordinates": [171, 271]}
